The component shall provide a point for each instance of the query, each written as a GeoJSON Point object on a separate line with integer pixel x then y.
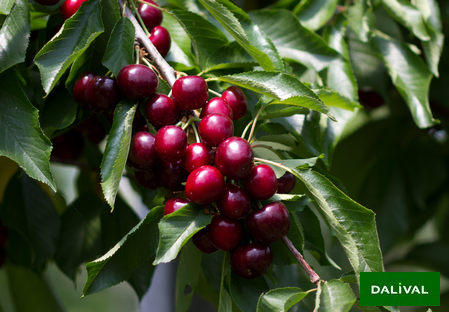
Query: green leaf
{"type": "Point", "coordinates": [14, 33]}
{"type": "Point", "coordinates": [349, 277]}
{"type": "Point", "coordinates": [120, 48]}
{"type": "Point", "coordinates": [358, 19]}
{"type": "Point", "coordinates": [225, 299]}
{"type": "Point", "coordinates": [177, 228]}
{"type": "Point", "coordinates": [285, 89]}
{"type": "Point", "coordinates": [314, 14]}
{"type": "Point", "coordinates": [294, 41]}
{"type": "Point", "coordinates": [410, 76]}
{"type": "Point", "coordinates": [334, 296]}
{"type": "Point", "coordinates": [187, 276]}
{"type": "Point", "coordinates": [335, 99]}
{"type": "Point", "coordinates": [292, 164]}
{"type": "Point", "coordinates": [408, 15]}
{"type": "Point", "coordinates": [354, 225]}
{"type": "Point", "coordinates": [246, 292]}
{"type": "Point", "coordinates": [27, 209]}
{"type": "Point", "coordinates": [140, 279]}
{"type": "Point", "coordinates": [59, 111]}
{"type": "Point", "coordinates": [232, 55]}
{"type": "Point", "coordinates": [77, 34]}
{"type": "Point", "coordinates": [117, 148]}
{"type": "Point", "coordinates": [247, 34]}
{"type": "Point", "coordinates": [280, 299]}
{"type": "Point", "coordinates": [24, 142]}
{"type": "Point", "coordinates": [5, 6]}
{"type": "Point", "coordinates": [430, 255]}
{"type": "Point", "coordinates": [116, 265]}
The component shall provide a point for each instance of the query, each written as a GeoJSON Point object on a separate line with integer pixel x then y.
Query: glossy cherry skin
{"type": "Point", "coordinates": [252, 260]}
{"type": "Point", "coordinates": [142, 151]}
{"type": "Point", "coordinates": [174, 204]}
{"type": "Point", "coordinates": [204, 185]}
{"type": "Point", "coordinates": [47, 2]}
{"type": "Point", "coordinates": [234, 158]}
{"type": "Point", "coordinates": [236, 99]}
{"type": "Point", "coordinates": [234, 202]}
{"type": "Point", "coordinates": [137, 81]}
{"type": "Point", "coordinates": [286, 183]}
{"type": "Point", "coordinates": [190, 92]}
{"type": "Point", "coordinates": [269, 223]}
{"type": "Point", "coordinates": [68, 145]}
{"type": "Point", "coordinates": [171, 143]}
{"type": "Point", "coordinates": [148, 179]}
{"type": "Point", "coordinates": [225, 233]}
{"type": "Point", "coordinates": [218, 106]}
{"type": "Point", "coordinates": [215, 128]}
{"type": "Point", "coordinates": [3, 234]}
{"type": "Point", "coordinates": [161, 110]}
{"type": "Point", "coordinates": [197, 155]}
{"type": "Point", "coordinates": [261, 183]}
{"type": "Point", "coordinates": [102, 94]}
{"type": "Point", "coordinates": [172, 175]}
{"type": "Point", "coordinates": [79, 90]}
{"type": "Point", "coordinates": [202, 241]}
{"type": "Point", "coordinates": [151, 16]}
{"type": "Point", "coordinates": [160, 37]}
{"type": "Point", "coordinates": [69, 8]}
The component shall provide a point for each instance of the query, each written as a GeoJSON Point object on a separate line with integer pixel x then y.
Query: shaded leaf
{"type": "Point", "coordinates": [140, 279]}
{"type": "Point", "coordinates": [280, 299]}
{"type": "Point", "coordinates": [431, 255]}
{"type": "Point", "coordinates": [225, 299]}
{"type": "Point", "coordinates": [314, 14]}
{"type": "Point", "coordinates": [59, 111]}
{"type": "Point", "coordinates": [246, 292]}
{"type": "Point", "coordinates": [334, 296]}
{"type": "Point", "coordinates": [5, 6]}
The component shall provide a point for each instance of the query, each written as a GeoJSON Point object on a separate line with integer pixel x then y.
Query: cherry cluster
{"type": "Point", "coordinates": [3, 239]}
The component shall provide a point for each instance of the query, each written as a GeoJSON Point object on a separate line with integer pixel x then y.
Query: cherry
{"type": "Point", "coordinates": [2, 256]}
{"type": "Point", "coordinates": [161, 110]}
{"type": "Point", "coordinates": [174, 204]}
{"type": "Point", "coordinates": [160, 37]}
{"type": "Point", "coordinates": [137, 81]}
{"type": "Point", "coordinates": [150, 16]}
{"type": "Point", "coordinates": [286, 183]}
{"type": "Point", "coordinates": [79, 90]}
{"type": "Point", "coordinates": [234, 158]}
{"type": "Point", "coordinates": [47, 2]}
{"type": "Point", "coordinates": [215, 128]}
{"type": "Point", "coordinates": [142, 151]}
{"type": "Point", "coordinates": [216, 105]}
{"type": "Point", "coordinates": [197, 155]}
{"type": "Point", "coordinates": [225, 233]}
{"type": "Point", "coordinates": [204, 185]}
{"type": "Point", "coordinates": [370, 99]}
{"type": "Point", "coordinates": [69, 7]}
{"type": "Point", "coordinates": [236, 99]}
{"type": "Point", "coordinates": [68, 145]}
{"type": "Point", "coordinates": [142, 128]}
{"type": "Point", "coordinates": [202, 241]}
{"type": "Point", "coordinates": [234, 202]}
{"type": "Point", "coordinates": [261, 183]}
{"type": "Point", "coordinates": [252, 260]}
{"type": "Point", "coordinates": [190, 92]}
{"type": "Point", "coordinates": [171, 143]}
{"type": "Point", "coordinates": [92, 129]}
{"type": "Point", "coordinates": [269, 223]}
{"type": "Point", "coordinates": [102, 94]}
{"type": "Point", "coordinates": [172, 175]}
{"type": "Point", "coordinates": [3, 234]}
{"type": "Point", "coordinates": [148, 179]}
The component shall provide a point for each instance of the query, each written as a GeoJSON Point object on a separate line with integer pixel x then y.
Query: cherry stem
{"type": "Point", "coordinates": [314, 278]}
{"type": "Point", "coordinates": [214, 92]}
{"type": "Point", "coordinates": [246, 129]}
{"type": "Point", "coordinates": [197, 136]}
{"type": "Point", "coordinates": [189, 122]}
{"type": "Point", "coordinates": [137, 50]}
{"type": "Point", "coordinates": [254, 124]}
{"type": "Point", "coordinates": [142, 24]}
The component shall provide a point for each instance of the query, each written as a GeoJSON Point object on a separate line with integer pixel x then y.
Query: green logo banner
{"type": "Point", "coordinates": [399, 289]}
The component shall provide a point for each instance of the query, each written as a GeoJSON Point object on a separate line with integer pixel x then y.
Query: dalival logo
{"type": "Point", "coordinates": [401, 289]}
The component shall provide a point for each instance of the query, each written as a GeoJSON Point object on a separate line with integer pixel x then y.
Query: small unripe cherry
{"type": "Point", "coordinates": [174, 204]}
{"type": "Point", "coordinates": [236, 99]}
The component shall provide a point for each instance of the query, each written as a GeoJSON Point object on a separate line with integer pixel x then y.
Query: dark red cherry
{"type": "Point", "coordinates": [204, 185]}
{"type": "Point", "coordinates": [148, 179]}
{"type": "Point", "coordinates": [202, 241]}
{"type": "Point", "coordinates": [172, 175]}
{"type": "Point", "coordinates": [69, 8]}
{"type": "Point", "coordinates": [3, 234]}
{"type": "Point", "coordinates": [269, 223]}
{"type": "Point", "coordinates": [215, 128]}
{"type": "Point", "coordinates": [137, 81]}
{"type": "Point", "coordinates": [261, 183]}
{"type": "Point", "coordinates": [225, 233]}
{"type": "Point", "coordinates": [234, 158]}
{"type": "Point", "coordinates": [92, 129]}
{"type": "Point", "coordinates": [197, 155]}
{"type": "Point", "coordinates": [190, 92]}
{"type": "Point", "coordinates": [47, 2]}
{"type": "Point", "coordinates": [234, 202]}
{"type": "Point", "coordinates": [68, 145]}
{"type": "Point", "coordinates": [174, 204]}
{"type": "Point", "coordinates": [151, 16]}
{"type": "Point", "coordinates": [160, 37]}
{"type": "Point", "coordinates": [251, 261]}
{"type": "Point", "coordinates": [171, 143]}
{"type": "Point", "coordinates": [102, 94]}
{"type": "Point", "coordinates": [2, 256]}
{"type": "Point", "coordinates": [286, 183]}
{"type": "Point", "coordinates": [142, 151]}
{"type": "Point", "coordinates": [143, 128]}
{"type": "Point", "coordinates": [218, 106]}
{"type": "Point", "coordinates": [370, 99]}
{"type": "Point", "coordinates": [79, 90]}
{"type": "Point", "coordinates": [236, 99]}
{"type": "Point", "coordinates": [161, 110]}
